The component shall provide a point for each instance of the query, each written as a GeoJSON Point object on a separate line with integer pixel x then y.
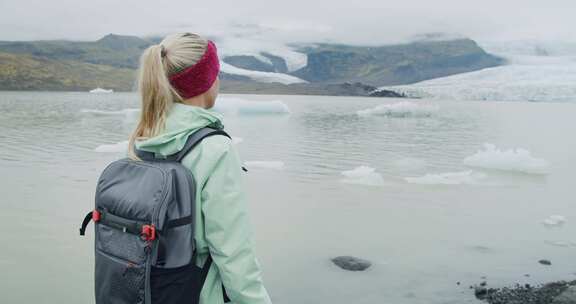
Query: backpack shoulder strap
{"type": "Point", "coordinates": [194, 139]}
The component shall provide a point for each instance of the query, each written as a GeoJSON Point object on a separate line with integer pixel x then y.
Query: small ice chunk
{"type": "Point", "coordinates": [239, 106]}
{"type": "Point", "coordinates": [126, 112]}
{"type": "Point", "coordinates": [275, 165]}
{"type": "Point", "coordinates": [554, 221]}
{"type": "Point", "coordinates": [514, 160]}
{"type": "Point", "coordinates": [363, 175]}
{"type": "Point", "coordinates": [559, 243]}
{"type": "Point", "coordinates": [401, 109]}
{"type": "Point", "coordinates": [113, 148]}
{"type": "Point", "coordinates": [449, 178]}
{"type": "Point", "coordinates": [237, 140]}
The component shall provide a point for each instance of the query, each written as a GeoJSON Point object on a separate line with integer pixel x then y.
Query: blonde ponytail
{"type": "Point", "coordinates": [173, 54]}
{"type": "Point", "coordinates": [156, 95]}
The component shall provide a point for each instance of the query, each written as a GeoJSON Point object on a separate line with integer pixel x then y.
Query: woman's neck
{"type": "Point", "coordinates": [198, 101]}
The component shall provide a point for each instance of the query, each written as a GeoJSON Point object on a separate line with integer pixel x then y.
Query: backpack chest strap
{"type": "Point", "coordinates": [146, 230]}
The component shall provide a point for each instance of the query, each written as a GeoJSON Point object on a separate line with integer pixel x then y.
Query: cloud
{"type": "Point", "coordinates": [359, 22]}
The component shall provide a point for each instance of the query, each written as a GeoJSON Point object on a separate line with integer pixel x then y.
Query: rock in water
{"type": "Point", "coordinates": [545, 262]}
{"type": "Point", "coordinates": [560, 292]}
{"type": "Point", "coordinates": [351, 263]}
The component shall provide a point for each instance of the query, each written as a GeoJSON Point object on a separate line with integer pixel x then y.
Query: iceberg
{"type": "Point", "coordinates": [514, 160]}
{"type": "Point", "coordinates": [554, 221]}
{"type": "Point", "coordinates": [237, 140]}
{"type": "Point", "coordinates": [100, 90]}
{"type": "Point", "coordinates": [127, 112]}
{"type": "Point", "coordinates": [363, 175]}
{"type": "Point", "coordinates": [401, 109]}
{"type": "Point", "coordinates": [449, 178]}
{"type": "Point", "coordinates": [233, 105]}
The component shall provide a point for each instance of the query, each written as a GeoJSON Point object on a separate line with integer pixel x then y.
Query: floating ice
{"type": "Point", "coordinates": [276, 165]}
{"type": "Point", "coordinates": [363, 175]}
{"type": "Point", "coordinates": [515, 160]}
{"type": "Point", "coordinates": [126, 112]}
{"type": "Point", "coordinates": [233, 105]}
{"type": "Point", "coordinates": [554, 221]}
{"type": "Point", "coordinates": [560, 243]}
{"type": "Point", "coordinates": [401, 109]}
{"type": "Point", "coordinates": [267, 77]}
{"type": "Point", "coordinates": [113, 148]}
{"type": "Point", "coordinates": [449, 178]}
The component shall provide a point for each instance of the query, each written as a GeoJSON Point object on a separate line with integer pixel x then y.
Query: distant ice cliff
{"type": "Point", "coordinates": [536, 71]}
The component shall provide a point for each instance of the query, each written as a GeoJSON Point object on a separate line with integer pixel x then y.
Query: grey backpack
{"type": "Point", "coordinates": [144, 223]}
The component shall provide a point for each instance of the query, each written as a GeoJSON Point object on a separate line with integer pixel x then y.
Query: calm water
{"type": "Point", "coordinates": [421, 238]}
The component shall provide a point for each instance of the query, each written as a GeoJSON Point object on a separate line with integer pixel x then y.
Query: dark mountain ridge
{"type": "Point", "coordinates": [111, 62]}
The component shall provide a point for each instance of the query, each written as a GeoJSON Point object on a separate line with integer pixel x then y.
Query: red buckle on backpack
{"type": "Point", "coordinates": [148, 232]}
{"type": "Point", "coordinates": [96, 215]}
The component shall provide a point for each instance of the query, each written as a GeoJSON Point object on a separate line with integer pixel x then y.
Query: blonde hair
{"type": "Point", "coordinates": [175, 53]}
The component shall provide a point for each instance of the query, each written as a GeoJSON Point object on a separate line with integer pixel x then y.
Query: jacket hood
{"type": "Point", "coordinates": [181, 121]}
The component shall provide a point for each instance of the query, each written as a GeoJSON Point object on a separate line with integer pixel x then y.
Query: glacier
{"type": "Point", "coordinates": [535, 71]}
{"type": "Point", "coordinates": [267, 77]}
{"type": "Point", "coordinates": [229, 46]}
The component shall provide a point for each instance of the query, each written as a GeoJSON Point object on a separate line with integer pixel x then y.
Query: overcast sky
{"type": "Point", "coordinates": [352, 21]}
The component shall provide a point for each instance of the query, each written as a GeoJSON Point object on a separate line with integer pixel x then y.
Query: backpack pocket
{"type": "Point", "coordinates": [119, 280]}
{"type": "Point", "coordinates": [120, 243]}
{"type": "Point", "coordinates": [123, 260]}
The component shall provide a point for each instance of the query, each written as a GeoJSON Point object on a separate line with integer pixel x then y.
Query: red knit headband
{"type": "Point", "coordinates": [200, 77]}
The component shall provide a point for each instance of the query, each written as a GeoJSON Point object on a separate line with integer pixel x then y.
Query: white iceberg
{"type": "Point", "coordinates": [126, 112]}
{"type": "Point", "coordinates": [275, 165]}
{"type": "Point", "coordinates": [113, 148]}
{"type": "Point", "coordinates": [233, 105]}
{"type": "Point", "coordinates": [100, 90]}
{"type": "Point", "coordinates": [449, 178]}
{"type": "Point", "coordinates": [401, 109]}
{"type": "Point", "coordinates": [554, 221]}
{"type": "Point", "coordinates": [560, 243]}
{"type": "Point", "coordinates": [363, 175]}
{"type": "Point", "coordinates": [237, 140]}
{"type": "Point", "coordinates": [514, 160]}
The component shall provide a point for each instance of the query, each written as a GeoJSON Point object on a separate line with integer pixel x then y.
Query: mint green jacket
{"type": "Point", "coordinates": [222, 223]}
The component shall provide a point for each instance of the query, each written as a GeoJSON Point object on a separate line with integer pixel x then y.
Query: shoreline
{"type": "Point", "coordinates": [555, 292]}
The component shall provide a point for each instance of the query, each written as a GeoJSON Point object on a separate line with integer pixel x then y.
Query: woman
{"type": "Point", "coordinates": [178, 83]}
